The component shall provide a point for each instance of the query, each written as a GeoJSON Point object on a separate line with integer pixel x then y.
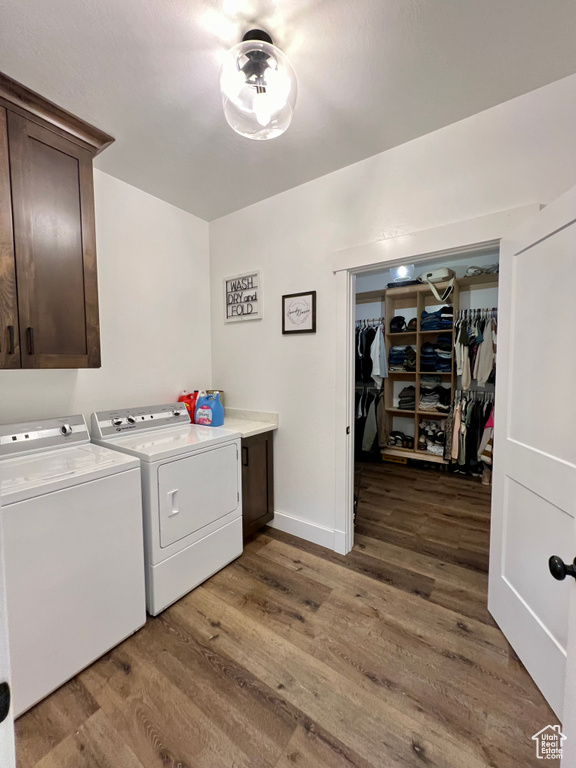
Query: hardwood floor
{"type": "Point", "coordinates": [294, 656]}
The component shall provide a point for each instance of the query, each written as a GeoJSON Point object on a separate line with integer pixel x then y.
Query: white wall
{"type": "Point", "coordinates": [515, 154]}
{"type": "Point", "coordinates": [370, 311]}
{"type": "Point", "coordinates": [153, 276]}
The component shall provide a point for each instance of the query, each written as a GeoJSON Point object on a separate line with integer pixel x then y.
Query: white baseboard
{"type": "Point", "coordinates": [340, 543]}
{"type": "Point", "coordinates": [304, 529]}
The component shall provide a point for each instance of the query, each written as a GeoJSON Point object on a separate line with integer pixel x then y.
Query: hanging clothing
{"type": "Point", "coordinates": [486, 356]}
{"type": "Point", "coordinates": [368, 335]}
{"type": "Point", "coordinates": [487, 453]}
{"type": "Point", "coordinates": [487, 434]}
{"type": "Point", "coordinates": [370, 428]}
{"type": "Point", "coordinates": [472, 430]}
{"type": "Point", "coordinates": [370, 352]}
{"type": "Point", "coordinates": [370, 432]}
{"type": "Point", "coordinates": [475, 346]}
{"type": "Point", "coordinates": [378, 357]}
{"type": "Point", "coordinates": [381, 423]}
{"type": "Point", "coordinates": [456, 431]}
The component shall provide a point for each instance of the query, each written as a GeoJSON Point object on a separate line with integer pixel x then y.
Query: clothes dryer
{"type": "Point", "coordinates": [191, 493]}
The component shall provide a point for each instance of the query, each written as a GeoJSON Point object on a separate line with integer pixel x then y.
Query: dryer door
{"type": "Point", "coordinates": [197, 490]}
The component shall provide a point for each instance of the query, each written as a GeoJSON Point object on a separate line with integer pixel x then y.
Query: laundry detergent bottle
{"type": "Point", "coordinates": [189, 400]}
{"type": "Point", "coordinates": [209, 410]}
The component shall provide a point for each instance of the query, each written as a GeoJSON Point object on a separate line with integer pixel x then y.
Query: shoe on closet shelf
{"type": "Point", "coordinates": [396, 438]}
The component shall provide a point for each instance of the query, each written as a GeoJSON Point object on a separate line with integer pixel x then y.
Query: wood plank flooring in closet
{"type": "Point", "coordinates": [294, 656]}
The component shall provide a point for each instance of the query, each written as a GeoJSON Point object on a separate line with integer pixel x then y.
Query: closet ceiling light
{"type": "Point", "coordinates": [259, 87]}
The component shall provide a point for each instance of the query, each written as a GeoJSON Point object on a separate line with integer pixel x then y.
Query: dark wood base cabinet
{"type": "Point", "coordinates": [257, 482]}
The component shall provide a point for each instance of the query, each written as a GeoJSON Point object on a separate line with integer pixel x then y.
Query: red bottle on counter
{"type": "Point", "coordinates": [189, 400]}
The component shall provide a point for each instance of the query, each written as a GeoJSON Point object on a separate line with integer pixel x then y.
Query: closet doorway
{"type": "Point", "coordinates": [425, 370]}
{"type": "Point", "coordinates": [425, 367]}
{"type": "Point", "coordinates": [419, 516]}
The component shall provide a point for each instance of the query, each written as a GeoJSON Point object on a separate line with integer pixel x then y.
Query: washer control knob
{"type": "Point", "coordinates": [176, 413]}
{"type": "Point", "coordinates": [116, 422]}
{"type": "Point", "coordinates": [131, 419]}
{"type": "Point", "coordinates": [66, 429]}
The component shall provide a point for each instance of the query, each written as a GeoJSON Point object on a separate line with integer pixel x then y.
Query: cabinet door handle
{"type": "Point", "coordinates": [30, 335]}
{"type": "Point", "coordinates": [245, 460]}
{"type": "Point", "coordinates": [10, 339]}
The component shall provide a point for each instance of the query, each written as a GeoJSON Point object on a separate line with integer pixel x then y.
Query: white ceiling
{"type": "Point", "coordinates": [372, 74]}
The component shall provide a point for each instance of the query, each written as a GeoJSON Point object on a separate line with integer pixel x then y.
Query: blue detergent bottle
{"type": "Point", "coordinates": [209, 411]}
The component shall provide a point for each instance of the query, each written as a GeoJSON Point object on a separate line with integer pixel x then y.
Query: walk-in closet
{"type": "Point", "coordinates": [426, 362]}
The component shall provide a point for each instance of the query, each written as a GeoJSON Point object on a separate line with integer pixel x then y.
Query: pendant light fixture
{"type": "Point", "coordinates": [258, 87]}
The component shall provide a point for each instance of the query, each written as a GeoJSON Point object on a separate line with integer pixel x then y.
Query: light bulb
{"type": "Point", "coordinates": [259, 89]}
{"type": "Point", "coordinates": [262, 109]}
{"type": "Point", "coordinates": [231, 82]}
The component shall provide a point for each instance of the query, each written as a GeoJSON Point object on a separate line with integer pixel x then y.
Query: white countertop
{"type": "Point", "coordinates": [249, 423]}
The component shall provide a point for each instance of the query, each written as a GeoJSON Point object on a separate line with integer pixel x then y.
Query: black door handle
{"type": "Point", "coordinates": [245, 459]}
{"type": "Point", "coordinates": [30, 334]}
{"type": "Point", "coordinates": [4, 701]}
{"type": "Point", "coordinates": [559, 569]}
{"type": "Point", "coordinates": [10, 339]}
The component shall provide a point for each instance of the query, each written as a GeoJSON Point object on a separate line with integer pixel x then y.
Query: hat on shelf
{"type": "Point", "coordinates": [397, 324]}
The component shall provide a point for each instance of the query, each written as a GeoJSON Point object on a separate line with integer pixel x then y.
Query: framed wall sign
{"type": "Point", "coordinates": [243, 297]}
{"type": "Point", "coordinates": [299, 312]}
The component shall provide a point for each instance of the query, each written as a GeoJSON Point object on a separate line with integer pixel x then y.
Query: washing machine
{"type": "Point", "coordinates": [74, 553]}
{"type": "Point", "coordinates": [191, 494]}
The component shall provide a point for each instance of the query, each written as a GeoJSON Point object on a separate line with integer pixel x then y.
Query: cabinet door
{"type": "Point", "coordinates": [257, 482]}
{"type": "Point", "coordinates": [9, 338]}
{"type": "Point", "coordinates": [53, 209]}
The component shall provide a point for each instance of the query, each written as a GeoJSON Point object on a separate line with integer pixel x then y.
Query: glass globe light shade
{"type": "Point", "coordinates": [259, 89]}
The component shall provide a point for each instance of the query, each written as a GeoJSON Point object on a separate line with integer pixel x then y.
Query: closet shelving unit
{"type": "Point", "coordinates": [414, 299]}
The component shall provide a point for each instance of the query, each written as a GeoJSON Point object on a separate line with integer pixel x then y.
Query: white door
{"type": "Point", "coordinates": [7, 757]}
{"type": "Point", "coordinates": [534, 493]}
{"type": "Point", "coordinates": [196, 491]}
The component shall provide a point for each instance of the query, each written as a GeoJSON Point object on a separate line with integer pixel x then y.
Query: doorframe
{"type": "Point", "coordinates": [473, 236]}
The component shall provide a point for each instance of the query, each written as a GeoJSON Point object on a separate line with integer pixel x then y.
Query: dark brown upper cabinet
{"type": "Point", "coordinates": [48, 278]}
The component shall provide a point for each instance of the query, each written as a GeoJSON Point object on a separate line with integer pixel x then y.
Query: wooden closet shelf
{"type": "Point", "coordinates": [395, 299]}
{"type": "Point", "coordinates": [463, 284]}
{"type": "Point", "coordinates": [390, 335]}
{"type": "Point", "coordinates": [402, 373]}
{"type": "Point", "coordinates": [425, 456]}
{"type": "Point", "coordinates": [405, 452]}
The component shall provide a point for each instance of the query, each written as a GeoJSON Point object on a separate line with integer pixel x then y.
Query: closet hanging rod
{"type": "Point", "coordinates": [366, 321]}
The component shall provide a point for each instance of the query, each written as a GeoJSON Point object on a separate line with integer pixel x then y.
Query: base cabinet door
{"type": "Point", "coordinates": [257, 482]}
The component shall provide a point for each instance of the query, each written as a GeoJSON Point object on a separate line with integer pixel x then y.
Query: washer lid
{"type": "Point", "coordinates": [31, 475]}
{"type": "Point", "coordinates": [156, 445]}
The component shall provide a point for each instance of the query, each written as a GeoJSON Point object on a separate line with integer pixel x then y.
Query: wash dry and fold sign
{"type": "Point", "coordinates": [242, 297]}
